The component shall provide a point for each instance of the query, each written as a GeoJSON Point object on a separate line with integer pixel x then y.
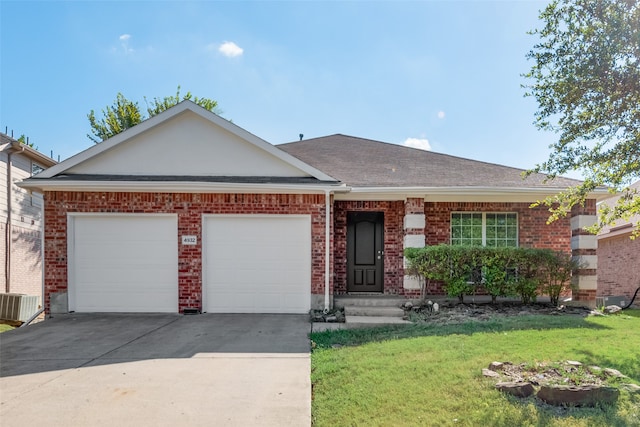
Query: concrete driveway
{"type": "Point", "coordinates": [157, 370]}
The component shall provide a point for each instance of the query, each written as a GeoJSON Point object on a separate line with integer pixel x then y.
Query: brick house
{"type": "Point", "coordinates": [619, 256]}
{"type": "Point", "coordinates": [20, 218]}
{"type": "Point", "coordinates": [187, 211]}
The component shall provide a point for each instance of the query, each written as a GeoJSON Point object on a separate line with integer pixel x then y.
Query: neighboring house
{"type": "Point", "coordinates": [20, 218]}
{"type": "Point", "coordinates": [187, 211]}
{"type": "Point", "coordinates": [619, 256]}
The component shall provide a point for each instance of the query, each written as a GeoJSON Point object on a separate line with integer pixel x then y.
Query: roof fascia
{"type": "Point", "coordinates": [446, 194]}
{"type": "Point", "coordinates": [167, 115]}
{"type": "Point", "coordinates": [178, 187]}
{"type": "Point", "coordinates": [35, 155]}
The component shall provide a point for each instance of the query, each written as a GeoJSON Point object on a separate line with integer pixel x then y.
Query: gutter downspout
{"type": "Point", "coordinates": [327, 249]}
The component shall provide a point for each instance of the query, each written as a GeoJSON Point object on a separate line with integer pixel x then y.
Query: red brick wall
{"type": "Point", "coordinates": [534, 232]}
{"type": "Point", "coordinates": [618, 266]}
{"type": "Point", "coordinates": [393, 242]}
{"type": "Point", "coordinates": [189, 209]}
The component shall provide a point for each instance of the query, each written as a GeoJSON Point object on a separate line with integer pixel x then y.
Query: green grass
{"type": "Point", "coordinates": [427, 375]}
{"type": "Point", "coordinates": [4, 327]}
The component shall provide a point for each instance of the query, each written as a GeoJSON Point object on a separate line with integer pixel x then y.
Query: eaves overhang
{"type": "Point", "coordinates": [179, 187]}
{"type": "Point", "coordinates": [459, 193]}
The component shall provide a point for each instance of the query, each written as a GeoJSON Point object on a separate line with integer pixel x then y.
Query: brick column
{"type": "Point", "coordinates": [584, 246]}
{"type": "Point", "coordinates": [414, 224]}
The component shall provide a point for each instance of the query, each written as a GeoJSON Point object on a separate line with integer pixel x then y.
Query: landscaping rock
{"type": "Point", "coordinates": [489, 373]}
{"type": "Point", "coordinates": [610, 309]}
{"type": "Point", "coordinates": [496, 366]}
{"type": "Point", "coordinates": [577, 395]}
{"type": "Point", "coordinates": [516, 389]}
{"type": "Point", "coordinates": [631, 388]}
{"type": "Point", "coordinates": [331, 319]}
{"type": "Point", "coordinates": [614, 373]}
{"type": "Point", "coordinates": [573, 363]}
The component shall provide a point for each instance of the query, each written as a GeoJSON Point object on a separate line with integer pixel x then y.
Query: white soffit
{"type": "Point", "coordinates": [186, 140]}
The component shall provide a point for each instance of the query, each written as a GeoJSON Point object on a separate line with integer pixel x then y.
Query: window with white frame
{"type": "Point", "coordinates": [493, 229]}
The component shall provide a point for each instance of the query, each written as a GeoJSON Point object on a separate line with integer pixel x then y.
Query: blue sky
{"type": "Point", "coordinates": [446, 72]}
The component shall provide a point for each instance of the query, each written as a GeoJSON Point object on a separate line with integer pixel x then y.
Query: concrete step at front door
{"type": "Point", "coordinates": [373, 311]}
{"type": "Point", "coordinates": [340, 301]}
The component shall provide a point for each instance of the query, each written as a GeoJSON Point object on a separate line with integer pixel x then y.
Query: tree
{"type": "Point", "coordinates": [124, 113]}
{"type": "Point", "coordinates": [586, 80]}
{"type": "Point", "coordinates": [25, 140]}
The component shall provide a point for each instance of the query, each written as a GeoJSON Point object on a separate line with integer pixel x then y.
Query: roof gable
{"type": "Point", "coordinates": [185, 140]}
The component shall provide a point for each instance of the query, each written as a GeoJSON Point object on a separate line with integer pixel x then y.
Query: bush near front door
{"type": "Point", "coordinates": [501, 272]}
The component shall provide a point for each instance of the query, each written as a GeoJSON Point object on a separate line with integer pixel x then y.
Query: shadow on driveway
{"type": "Point", "coordinates": [157, 369]}
{"type": "Point", "coordinates": [75, 340]}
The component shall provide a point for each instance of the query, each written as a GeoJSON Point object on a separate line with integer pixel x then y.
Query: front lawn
{"type": "Point", "coordinates": [430, 375]}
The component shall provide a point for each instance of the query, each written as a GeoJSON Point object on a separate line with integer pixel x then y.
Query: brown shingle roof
{"type": "Point", "coordinates": [363, 162]}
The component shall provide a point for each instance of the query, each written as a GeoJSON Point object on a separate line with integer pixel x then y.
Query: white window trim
{"type": "Point", "coordinates": [484, 224]}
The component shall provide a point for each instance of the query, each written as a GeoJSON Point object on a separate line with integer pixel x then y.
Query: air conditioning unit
{"type": "Point", "coordinates": [18, 307]}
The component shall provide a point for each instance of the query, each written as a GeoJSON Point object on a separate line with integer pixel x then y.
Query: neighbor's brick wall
{"type": "Point", "coordinates": [393, 242]}
{"type": "Point", "coordinates": [189, 209]}
{"type": "Point", "coordinates": [618, 266]}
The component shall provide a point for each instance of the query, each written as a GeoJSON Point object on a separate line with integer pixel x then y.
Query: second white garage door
{"type": "Point", "coordinates": [256, 263]}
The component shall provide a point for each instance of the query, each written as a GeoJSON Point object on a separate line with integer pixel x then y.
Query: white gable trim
{"type": "Point", "coordinates": [167, 115]}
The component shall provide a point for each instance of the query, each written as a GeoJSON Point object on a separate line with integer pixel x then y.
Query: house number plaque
{"type": "Point", "coordinates": [189, 240]}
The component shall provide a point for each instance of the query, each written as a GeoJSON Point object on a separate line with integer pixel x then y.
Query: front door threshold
{"type": "Point", "coordinates": [365, 294]}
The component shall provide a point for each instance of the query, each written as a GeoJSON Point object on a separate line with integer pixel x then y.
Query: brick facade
{"type": "Point", "coordinates": [189, 208]}
{"type": "Point", "coordinates": [393, 234]}
{"type": "Point", "coordinates": [533, 232]}
{"type": "Point", "coordinates": [618, 266]}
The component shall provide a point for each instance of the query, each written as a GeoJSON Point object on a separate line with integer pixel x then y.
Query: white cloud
{"type": "Point", "coordinates": [419, 143]}
{"type": "Point", "coordinates": [441, 114]}
{"type": "Point", "coordinates": [124, 43]}
{"type": "Point", "coordinates": [230, 49]}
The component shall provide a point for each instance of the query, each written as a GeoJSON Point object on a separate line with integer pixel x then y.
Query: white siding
{"type": "Point", "coordinates": [26, 207]}
{"type": "Point", "coordinates": [187, 145]}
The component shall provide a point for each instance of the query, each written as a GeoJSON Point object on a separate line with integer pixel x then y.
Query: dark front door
{"type": "Point", "coordinates": [365, 251]}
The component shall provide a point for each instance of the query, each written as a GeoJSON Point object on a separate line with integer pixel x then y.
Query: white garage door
{"type": "Point", "coordinates": [256, 263]}
{"type": "Point", "coordinates": [123, 263]}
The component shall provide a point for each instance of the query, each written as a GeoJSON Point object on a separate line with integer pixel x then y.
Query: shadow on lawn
{"type": "Point", "coordinates": [350, 337]}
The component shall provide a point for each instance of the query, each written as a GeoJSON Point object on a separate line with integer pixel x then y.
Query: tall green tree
{"type": "Point", "coordinates": [123, 113]}
{"type": "Point", "coordinates": [586, 80]}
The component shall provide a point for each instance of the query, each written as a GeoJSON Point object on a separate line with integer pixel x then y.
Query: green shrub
{"type": "Point", "coordinates": [501, 272]}
{"type": "Point", "coordinates": [557, 271]}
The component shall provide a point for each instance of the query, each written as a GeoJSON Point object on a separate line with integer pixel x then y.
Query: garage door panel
{"type": "Point", "coordinates": [257, 263]}
{"type": "Point", "coordinates": [125, 263]}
